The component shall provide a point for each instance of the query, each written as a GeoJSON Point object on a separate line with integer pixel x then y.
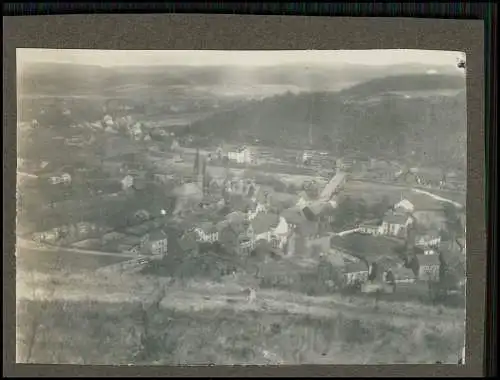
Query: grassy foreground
{"type": "Point", "coordinates": [200, 325]}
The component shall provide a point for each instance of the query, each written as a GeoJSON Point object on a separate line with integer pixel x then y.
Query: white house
{"type": "Point", "coordinates": [63, 178]}
{"type": "Point", "coordinates": [206, 233]}
{"type": "Point", "coordinates": [395, 224]}
{"type": "Point", "coordinates": [136, 131]}
{"type": "Point", "coordinates": [255, 210]}
{"type": "Point", "coordinates": [127, 182]}
{"type": "Point", "coordinates": [158, 243]}
{"type": "Point", "coordinates": [242, 155]}
{"type": "Point", "coordinates": [306, 156]}
{"type": "Point", "coordinates": [108, 121]}
{"type": "Point", "coordinates": [280, 233]}
{"type": "Point", "coordinates": [355, 273]}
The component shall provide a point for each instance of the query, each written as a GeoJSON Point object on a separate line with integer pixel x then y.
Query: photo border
{"type": "Point", "coordinates": [252, 32]}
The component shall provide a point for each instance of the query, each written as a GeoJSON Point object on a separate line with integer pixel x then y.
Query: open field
{"type": "Point", "coordinates": [374, 191]}
{"type": "Point", "coordinates": [95, 320]}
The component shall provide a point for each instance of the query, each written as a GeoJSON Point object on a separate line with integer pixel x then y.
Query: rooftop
{"type": "Point", "coordinates": [157, 234]}
{"type": "Point", "coordinates": [395, 218]}
{"type": "Point", "coordinates": [367, 246]}
{"type": "Point", "coordinates": [264, 222]}
{"type": "Point", "coordinates": [428, 259]}
{"type": "Point", "coordinates": [293, 215]}
{"type": "Point", "coordinates": [355, 267]}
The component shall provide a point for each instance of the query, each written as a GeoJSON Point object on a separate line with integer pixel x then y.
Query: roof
{"type": "Point", "coordinates": [332, 186]}
{"type": "Point", "coordinates": [138, 230]}
{"type": "Point", "coordinates": [157, 234]}
{"type": "Point", "coordinates": [264, 222]}
{"type": "Point", "coordinates": [394, 218]}
{"type": "Point", "coordinates": [207, 227]}
{"type": "Point", "coordinates": [370, 223]}
{"type": "Point", "coordinates": [235, 217]}
{"type": "Point", "coordinates": [428, 259]}
{"type": "Point", "coordinates": [406, 204]}
{"type": "Point", "coordinates": [130, 240]}
{"type": "Point", "coordinates": [402, 273]}
{"type": "Point", "coordinates": [367, 246]}
{"type": "Point", "coordinates": [355, 267]}
{"type": "Point", "coordinates": [293, 215]}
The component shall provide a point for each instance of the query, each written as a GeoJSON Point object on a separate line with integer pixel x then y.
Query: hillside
{"type": "Point", "coordinates": [432, 125]}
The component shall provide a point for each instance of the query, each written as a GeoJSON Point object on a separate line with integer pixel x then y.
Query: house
{"type": "Point", "coordinates": [64, 178]}
{"type": "Point", "coordinates": [111, 237]}
{"type": "Point", "coordinates": [404, 206]}
{"type": "Point", "coordinates": [346, 163]}
{"type": "Point", "coordinates": [242, 155]}
{"type": "Point", "coordinates": [254, 209]}
{"type": "Point", "coordinates": [428, 267]}
{"type": "Point", "coordinates": [427, 211]}
{"type": "Point", "coordinates": [307, 156]}
{"type": "Point", "coordinates": [371, 227]}
{"type": "Point", "coordinates": [321, 212]}
{"type": "Point", "coordinates": [355, 273]}
{"type": "Point", "coordinates": [403, 275]}
{"type": "Point", "coordinates": [158, 242]}
{"type": "Point", "coordinates": [395, 224]}
{"type": "Point", "coordinates": [206, 232]}
{"type": "Point", "coordinates": [127, 182]}
{"type": "Point", "coordinates": [428, 242]}
{"type": "Point", "coordinates": [280, 234]}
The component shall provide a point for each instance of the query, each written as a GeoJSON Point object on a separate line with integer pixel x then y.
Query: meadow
{"type": "Point", "coordinates": [109, 319]}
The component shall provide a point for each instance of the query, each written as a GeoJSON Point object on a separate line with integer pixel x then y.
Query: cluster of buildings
{"type": "Point", "coordinates": [413, 225]}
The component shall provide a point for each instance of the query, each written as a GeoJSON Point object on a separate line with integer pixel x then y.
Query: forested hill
{"type": "Point", "coordinates": [420, 117]}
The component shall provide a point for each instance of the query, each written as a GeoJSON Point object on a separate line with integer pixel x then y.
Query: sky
{"type": "Point", "coordinates": [113, 58]}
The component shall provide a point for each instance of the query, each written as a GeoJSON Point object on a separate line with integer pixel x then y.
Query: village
{"type": "Point", "coordinates": [152, 195]}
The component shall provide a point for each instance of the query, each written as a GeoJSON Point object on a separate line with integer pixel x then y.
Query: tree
{"type": "Point", "coordinates": [380, 208]}
{"type": "Point", "coordinates": [346, 213]}
{"type": "Point", "coordinates": [454, 225]}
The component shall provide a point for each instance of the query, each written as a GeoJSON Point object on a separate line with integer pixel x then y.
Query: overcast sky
{"type": "Point", "coordinates": [110, 58]}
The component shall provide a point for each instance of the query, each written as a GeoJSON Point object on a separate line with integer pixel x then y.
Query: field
{"type": "Point", "coordinates": [373, 192]}
{"type": "Point", "coordinates": [90, 319]}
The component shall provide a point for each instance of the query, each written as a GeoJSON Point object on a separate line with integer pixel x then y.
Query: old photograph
{"type": "Point", "coordinates": [203, 207]}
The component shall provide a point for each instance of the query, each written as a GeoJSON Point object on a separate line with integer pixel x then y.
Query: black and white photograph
{"type": "Point", "coordinates": [210, 207]}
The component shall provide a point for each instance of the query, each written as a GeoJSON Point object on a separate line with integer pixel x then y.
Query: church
{"type": "Point", "coordinates": [191, 194]}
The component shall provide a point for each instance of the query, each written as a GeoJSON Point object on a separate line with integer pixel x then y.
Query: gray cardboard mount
{"type": "Point", "coordinates": [251, 32]}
